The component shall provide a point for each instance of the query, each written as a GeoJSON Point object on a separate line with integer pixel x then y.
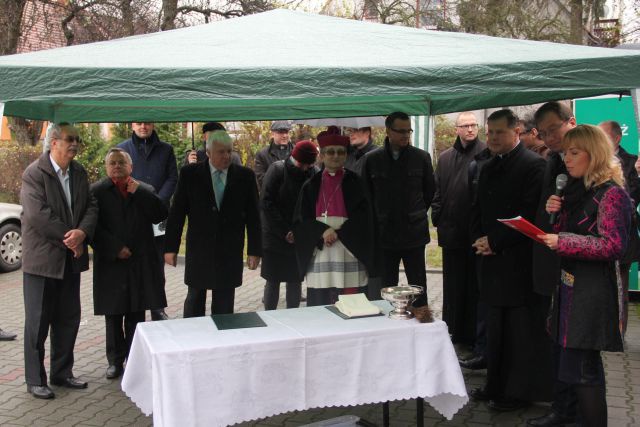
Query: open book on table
{"type": "Point", "coordinates": [523, 226]}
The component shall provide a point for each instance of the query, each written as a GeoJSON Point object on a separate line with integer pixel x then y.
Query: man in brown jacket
{"type": "Point", "coordinates": [58, 217]}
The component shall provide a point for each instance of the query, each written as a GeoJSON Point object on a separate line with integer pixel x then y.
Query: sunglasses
{"type": "Point", "coordinates": [70, 139]}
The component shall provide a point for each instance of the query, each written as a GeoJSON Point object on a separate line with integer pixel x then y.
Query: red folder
{"type": "Point", "coordinates": [523, 226]}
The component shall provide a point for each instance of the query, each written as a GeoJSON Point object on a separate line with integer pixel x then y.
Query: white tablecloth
{"type": "Point", "coordinates": [188, 373]}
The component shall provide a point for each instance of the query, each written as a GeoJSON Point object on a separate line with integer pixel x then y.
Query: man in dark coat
{"type": "Point", "coordinates": [279, 148]}
{"type": "Point", "coordinates": [450, 213]}
{"type": "Point", "coordinates": [59, 216]}
{"type": "Point", "coordinates": [280, 190]}
{"type": "Point", "coordinates": [553, 120]}
{"type": "Point", "coordinates": [154, 164]}
{"type": "Point", "coordinates": [195, 156]}
{"type": "Point", "coordinates": [400, 183]}
{"type": "Point", "coordinates": [509, 185]}
{"type": "Point", "coordinates": [220, 200]}
{"type": "Point", "coordinates": [126, 266]}
{"type": "Point", "coordinates": [360, 143]}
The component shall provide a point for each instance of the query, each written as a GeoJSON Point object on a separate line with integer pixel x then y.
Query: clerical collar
{"type": "Point", "coordinates": [508, 153]}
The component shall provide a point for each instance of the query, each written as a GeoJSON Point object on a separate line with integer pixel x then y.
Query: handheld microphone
{"type": "Point", "coordinates": [561, 182]}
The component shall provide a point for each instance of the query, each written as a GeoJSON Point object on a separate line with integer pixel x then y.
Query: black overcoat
{"type": "Point", "coordinates": [356, 233]}
{"type": "Point", "coordinates": [215, 238]}
{"type": "Point", "coordinates": [451, 204]}
{"type": "Point", "coordinates": [278, 198]}
{"type": "Point", "coordinates": [137, 283]}
{"type": "Point", "coordinates": [507, 187]}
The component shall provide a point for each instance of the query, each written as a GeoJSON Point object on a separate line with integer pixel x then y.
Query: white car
{"type": "Point", "coordinates": [10, 237]}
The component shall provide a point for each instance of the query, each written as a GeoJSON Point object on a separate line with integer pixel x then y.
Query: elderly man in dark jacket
{"type": "Point", "coordinates": [280, 190]}
{"type": "Point", "coordinates": [220, 200]}
{"type": "Point", "coordinates": [450, 213]}
{"type": "Point", "coordinates": [154, 164]}
{"type": "Point", "coordinates": [126, 267]}
{"type": "Point", "coordinates": [279, 148]}
{"type": "Point", "coordinates": [509, 185]}
{"type": "Point", "coordinates": [399, 179]}
{"type": "Point", "coordinates": [59, 216]}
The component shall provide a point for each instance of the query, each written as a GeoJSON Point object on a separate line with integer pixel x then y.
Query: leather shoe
{"type": "Point", "coordinates": [114, 371]}
{"type": "Point", "coordinates": [479, 394]}
{"type": "Point", "coordinates": [71, 382]}
{"type": "Point", "coordinates": [550, 420]}
{"type": "Point", "coordinates": [506, 405]}
{"type": "Point", "coordinates": [159, 315]}
{"type": "Point", "coordinates": [7, 336]}
{"type": "Point", "coordinates": [475, 363]}
{"type": "Point", "coordinates": [40, 391]}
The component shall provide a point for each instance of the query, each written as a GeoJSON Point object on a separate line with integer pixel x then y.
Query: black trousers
{"type": "Point", "coordinates": [50, 303]}
{"type": "Point", "coordinates": [460, 294]}
{"type": "Point", "coordinates": [222, 301]}
{"type": "Point", "coordinates": [272, 294]}
{"type": "Point", "coordinates": [159, 244]}
{"type": "Point", "coordinates": [119, 335]}
{"type": "Point", "coordinates": [414, 267]}
{"type": "Point", "coordinates": [513, 368]}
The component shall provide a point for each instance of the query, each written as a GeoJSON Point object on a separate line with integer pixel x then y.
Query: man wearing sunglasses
{"type": "Point", "coordinates": [399, 179]}
{"type": "Point", "coordinates": [59, 216]}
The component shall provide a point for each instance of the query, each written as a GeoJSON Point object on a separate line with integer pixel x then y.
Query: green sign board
{"type": "Point", "coordinates": [596, 110]}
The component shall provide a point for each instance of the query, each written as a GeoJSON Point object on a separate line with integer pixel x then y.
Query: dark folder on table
{"type": "Point", "coordinates": [237, 321]}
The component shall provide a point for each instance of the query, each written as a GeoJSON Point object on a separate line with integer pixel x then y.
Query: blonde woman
{"type": "Point", "coordinates": [593, 229]}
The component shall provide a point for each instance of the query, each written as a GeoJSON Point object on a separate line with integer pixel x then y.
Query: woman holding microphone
{"type": "Point", "coordinates": [593, 229]}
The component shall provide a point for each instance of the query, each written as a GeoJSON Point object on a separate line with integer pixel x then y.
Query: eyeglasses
{"type": "Point", "coordinates": [473, 126]}
{"type": "Point", "coordinates": [70, 139]}
{"type": "Point", "coordinates": [552, 130]}
{"type": "Point", "coordinates": [332, 152]}
{"type": "Point", "coordinates": [402, 131]}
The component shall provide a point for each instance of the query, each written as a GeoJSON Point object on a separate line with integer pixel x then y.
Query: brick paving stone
{"type": "Point", "coordinates": [106, 405]}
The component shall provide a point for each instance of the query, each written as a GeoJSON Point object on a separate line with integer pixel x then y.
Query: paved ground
{"type": "Point", "coordinates": [104, 404]}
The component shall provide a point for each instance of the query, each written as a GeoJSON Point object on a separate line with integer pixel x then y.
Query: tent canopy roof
{"type": "Point", "coordinates": [284, 64]}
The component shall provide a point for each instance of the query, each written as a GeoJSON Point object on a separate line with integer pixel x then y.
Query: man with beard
{"type": "Point", "coordinates": [508, 186]}
{"type": "Point", "coordinates": [155, 164]}
{"type": "Point", "coordinates": [450, 212]}
{"type": "Point", "coordinates": [280, 190]}
{"type": "Point", "coordinates": [126, 269]}
{"type": "Point", "coordinates": [59, 216]}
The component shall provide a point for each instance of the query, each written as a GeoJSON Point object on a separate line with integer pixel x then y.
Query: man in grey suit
{"type": "Point", "coordinates": [59, 215]}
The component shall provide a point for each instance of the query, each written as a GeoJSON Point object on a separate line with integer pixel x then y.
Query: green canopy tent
{"type": "Point", "coordinates": [284, 65]}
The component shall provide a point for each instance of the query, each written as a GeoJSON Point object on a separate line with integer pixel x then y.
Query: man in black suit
{"type": "Point", "coordinates": [221, 201]}
{"type": "Point", "coordinates": [509, 185]}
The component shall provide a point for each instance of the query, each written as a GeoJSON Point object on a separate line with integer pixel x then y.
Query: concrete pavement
{"type": "Point", "coordinates": [104, 404]}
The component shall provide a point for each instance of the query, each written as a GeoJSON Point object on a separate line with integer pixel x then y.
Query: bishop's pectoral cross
{"type": "Point", "coordinates": [325, 217]}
